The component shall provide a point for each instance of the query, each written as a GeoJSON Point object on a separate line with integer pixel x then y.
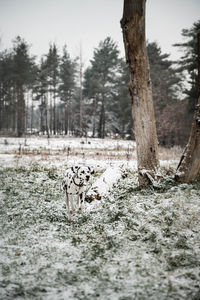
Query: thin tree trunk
{"type": "Point", "coordinates": [81, 93]}
{"type": "Point", "coordinates": [94, 115]}
{"type": "Point", "coordinates": [1, 112]}
{"type": "Point", "coordinates": [20, 111]}
{"type": "Point", "coordinates": [133, 27]}
{"type": "Point", "coordinates": [51, 114]}
{"type": "Point", "coordinates": [32, 111]}
{"type": "Point", "coordinates": [189, 165]}
{"type": "Point", "coordinates": [66, 119]}
{"type": "Point", "coordinates": [101, 121]}
{"type": "Point", "coordinates": [54, 112]}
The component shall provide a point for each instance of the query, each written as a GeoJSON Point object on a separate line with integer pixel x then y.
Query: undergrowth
{"type": "Point", "coordinates": [136, 244]}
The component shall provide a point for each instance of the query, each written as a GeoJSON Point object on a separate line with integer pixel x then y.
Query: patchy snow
{"type": "Point", "coordinates": [136, 244]}
{"type": "Point", "coordinates": [15, 152]}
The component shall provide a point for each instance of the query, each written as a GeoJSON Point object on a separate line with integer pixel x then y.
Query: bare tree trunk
{"type": "Point", "coordinates": [54, 112]}
{"type": "Point", "coordinates": [94, 116]}
{"type": "Point", "coordinates": [66, 119]}
{"type": "Point", "coordinates": [51, 114]}
{"type": "Point", "coordinates": [32, 110]}
{"type": "Point", "coordinates": [189, 165]}
{"type": "Point", "coordinates": [133, 27]}
{"type": "Point", "coordinates": [20, 111]}
{"type": "Point", "coordinates": [81, 93]}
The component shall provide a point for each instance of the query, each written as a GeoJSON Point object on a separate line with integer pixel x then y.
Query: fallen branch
{"type": "Point", "coordinates": [104, 183]}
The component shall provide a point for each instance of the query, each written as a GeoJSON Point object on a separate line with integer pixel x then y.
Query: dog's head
{"type": "Point", "coordinates": [85, 173]}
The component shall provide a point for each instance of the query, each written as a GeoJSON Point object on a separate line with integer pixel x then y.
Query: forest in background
{"type": "Point", "coordinates": [57, 96]}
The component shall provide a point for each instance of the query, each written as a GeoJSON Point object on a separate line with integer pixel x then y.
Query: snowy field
{"type": "Point", "coordinates": [135, 244]}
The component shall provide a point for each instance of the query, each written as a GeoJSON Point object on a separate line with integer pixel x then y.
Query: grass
{"type": "Point", "coordinates": [137, 244]}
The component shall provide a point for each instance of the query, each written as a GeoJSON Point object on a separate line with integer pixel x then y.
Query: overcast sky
{"type": "Point", "coordinates": [87, 22]}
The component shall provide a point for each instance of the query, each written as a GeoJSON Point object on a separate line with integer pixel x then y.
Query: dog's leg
{"type": "Point", "coordinates": [72, 202]}
{"type": "Point", "coordinates": [81, 201]}
{"type": "Point", "coordinates": [68, 206]}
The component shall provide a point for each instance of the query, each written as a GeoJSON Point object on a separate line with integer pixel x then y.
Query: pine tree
{"type": "Point", "coordinates": [189, 61]}
{"type": "Point", "coordinates": [103, 72]}
{"type": "Point", "coordinates": [40, 92]}
{"type": "Point", "coordinates": [23, 75]}
{"type": "Point", "coordinates": [52, 63]}
{"type": "Point", "coordinates": [120, 106]}
{"type": "Point", "coordinates": [67, 84]}
{"type": "Point", "coordinates": [7, 99]}
{"type": "Point", "coordinates": [166, 85]}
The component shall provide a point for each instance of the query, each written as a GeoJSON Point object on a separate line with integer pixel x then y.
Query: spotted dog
{"type": "Point", "coordinates": [75, 183]}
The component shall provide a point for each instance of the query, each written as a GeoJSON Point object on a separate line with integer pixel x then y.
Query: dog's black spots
{"type": "Point", "coordinates": [64, 186]}
{"type": "Point", "coordinates": [74, 169]}
{"type": "Point", "coordinates": [91, 170]}
{"type": "Point", "coordinates": [83, 172]}
{"type": "Point", "coordinates": [81, 197]}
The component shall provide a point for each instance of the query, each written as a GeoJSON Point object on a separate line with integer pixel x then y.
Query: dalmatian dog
{"type": "Point", "coordinates": [74, 184]}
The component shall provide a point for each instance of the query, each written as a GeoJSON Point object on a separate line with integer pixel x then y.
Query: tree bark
{"type": "Point", "coordinates": [189, 165]}
{"type": "Point", "coordinates": [140, 87]}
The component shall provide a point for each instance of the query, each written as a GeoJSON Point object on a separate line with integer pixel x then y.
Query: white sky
{"type": "Point", "coordinates": [86, 22]}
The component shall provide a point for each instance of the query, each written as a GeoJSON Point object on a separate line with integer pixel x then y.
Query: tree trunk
{"type": "Point", "coordinates": [20, 111]}
{"type": "Point", "coordinates": [54, 112]}
{"type": "Point", "coordinates": [81, 94]}
{"type": "Point", "coordinates": [94, 116]}
{"type": "Point", "coordinates": [133, 27]}
{"type": "Point", "coordinates": [66, 119]}
{"type": "Point", "coordinates": [189, 165]}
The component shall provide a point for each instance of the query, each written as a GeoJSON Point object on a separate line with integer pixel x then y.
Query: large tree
{"type": "Point", "coordinates": [189, 165]}
{"type": "Point", "coordinates": [133, 27]}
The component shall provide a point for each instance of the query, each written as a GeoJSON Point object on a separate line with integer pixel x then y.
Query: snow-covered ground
{"type": "Point", "coordinates": [135, 244]}
{"type": "Point", "coordinates": [65, 151]}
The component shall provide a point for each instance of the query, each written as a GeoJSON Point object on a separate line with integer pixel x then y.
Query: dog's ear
{"type": "Point", "coordinates": [91, 170]}
{"type": "Point", "coordinates": [75, 169]}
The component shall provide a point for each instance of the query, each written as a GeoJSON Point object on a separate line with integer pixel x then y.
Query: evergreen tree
{"type": "Point", "coordinates": [41, 94]}
{"type": "Point", "coordinates": [7, 99]}
{"type": "Point", "coordinates": [166, 85]}
{"type": "Point", "coordinates": [121, 104]}
{"type": "Point", "coordinates": [103, 72]}
{"type": "Point", "coordinates": [189, 61]}
{"type": "Point", "coordinates": [52, 64]}
{"type": "Point", "coordinates": [91, 91]}
{"type": "Point", "coordinates": [23, 76]}
{"type": "Point", "coordinates": [67, 84]}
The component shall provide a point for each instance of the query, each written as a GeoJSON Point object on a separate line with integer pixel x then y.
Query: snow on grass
{"type": "Point", "coordinates": [137, 244]}
{"type": "Point", "coordinates": [15, 152]}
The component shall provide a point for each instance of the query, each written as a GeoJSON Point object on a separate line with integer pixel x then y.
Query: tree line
{"type": "Point", "coordinates": [56, 96]}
